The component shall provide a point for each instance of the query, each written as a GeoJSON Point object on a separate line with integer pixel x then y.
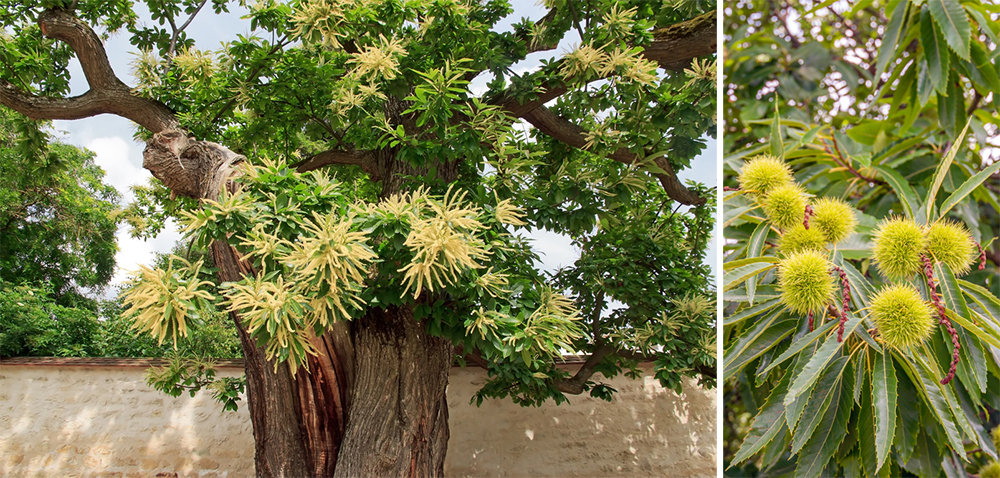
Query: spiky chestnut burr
{"type": "Point", "coordinates": [785, 205]}
{"type": "Point", "coordinates": [942, 317]}
{"type": "Point", "coordinates": [901, 315]}
{"type": "Point", "coordinates": [762, 174]}
{"type": "Point", "coordinates": [804, 282]}
{"type": "Point", "coordinates": [949, 242]}
{"type": "Point", "coordinates": [798, 239]}
{"type": "Point", "coordinates": [834, 218]}
{"type": "Point", "coordinates": [898, 244]}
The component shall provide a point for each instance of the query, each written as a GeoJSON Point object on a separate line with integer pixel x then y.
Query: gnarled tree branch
{"type": "Point", "coordinates": [107, 93]}
{"type": "Point", "coordinates": [562, 130]}
{"type": "Point", "coordinates": [363, 158]}
{"type": "Point", "coordinates": [674, 47]}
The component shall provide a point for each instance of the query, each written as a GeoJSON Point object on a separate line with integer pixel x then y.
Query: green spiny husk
{"type": "Point", "coordinates": [798, 238]}
{"type": "Point", "coordinates": [805, 282]}
{"type": "Point", "coordinates": [898, 244]}
{"type": "Point", "coordinates": [762, 174]}
{"type": "Point", "coordinates": [949, 242]}
{"type": "Point", "coordinates": [902, 317]}
{"type": "Point", "coordinates": [835, 218]}
{"type": "Point", "coordinates": [785, 205]}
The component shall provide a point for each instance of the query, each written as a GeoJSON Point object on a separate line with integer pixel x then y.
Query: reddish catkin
{"type": "Point", "coordinates": [982, 256]}
{"type": "Point", "coordinates": [809, 213]}
{"type": "Point", "coordinates": [810, 321]}
{"type": "Point", "coordinates": [727, 189]}
{"type": "Point", "coordinates": [942, 318]}
{"type": "Point", "coordinates": [846, 290]}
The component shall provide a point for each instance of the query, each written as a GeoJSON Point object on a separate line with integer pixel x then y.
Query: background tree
{"type": "Point", "coordinates": [351, 294]}
{"type": "Point", "coordinates": [867, 102]}
{"type": "Point", "coordinates": [57, 216]}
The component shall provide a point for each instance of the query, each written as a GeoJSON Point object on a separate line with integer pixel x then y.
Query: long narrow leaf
{"type": "Point", "coordinates": [967, 187]}
{"type": "Point", "coordinates": [945, 165]}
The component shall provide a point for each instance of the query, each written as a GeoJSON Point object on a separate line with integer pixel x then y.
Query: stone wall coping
{"type": "Point", "coordinates": [149, 362]}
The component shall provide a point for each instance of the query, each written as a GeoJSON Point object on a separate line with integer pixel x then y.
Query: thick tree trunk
{"type": "Point", "coordinates": [372, 402]}
{"type": "Point", "coordinates": [398, 424]}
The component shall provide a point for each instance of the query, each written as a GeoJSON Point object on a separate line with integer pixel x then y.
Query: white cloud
{"type": "Point", "coordinates": [113, 156]}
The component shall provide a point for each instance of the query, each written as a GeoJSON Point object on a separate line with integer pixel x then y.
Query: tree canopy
{"type": "Point", "coordinates": [863, 329]}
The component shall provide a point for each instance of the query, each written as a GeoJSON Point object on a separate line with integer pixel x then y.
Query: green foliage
{"type": "Point", "coordinates": [57, 216]}
{"type": "Point", "coordinates": [32, 323]}
{"type": "Point", "coordinates": [861, 117]}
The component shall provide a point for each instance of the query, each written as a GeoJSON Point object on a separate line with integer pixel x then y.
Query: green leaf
{"type": "Point", "coordinates": [732, 265]}
{"type": "Point", "coordinates": [899, 184]}
{"type": "Point", "coordinates": [818, 363]}
{"type": "Point", "coordinates": [884, 404]}
{"type": "Point", "coordinates": [967, 187]}
{"type": "Point", "coordinates": [800, 344]}
{"type": "Point", "coordinates": [819, 402]}
{"type": "Point", "coordinates": [891, 38]}
{"type": "Point", "coordinates": [984, 71]}
{"type": "Point", "coordinates": [935, 51]}
{"type": "Point", "coordinates": [923, 377]}
{"type": "Point", "coordinates": [777, 147]}
{"type": "Point", "coordinates": [954, 23]}
{"type": "Point", "coordinates": [943, 168]}
{"type": "Point", "coordinates": [908, 419]}
{"type": "Point", "coordinates": [738, 275]}
{"type": "Point", "coordinates": [982, 297]}
{"type": "Point", "coordinates": [755, 342]}
{"type": "Point", "coordinates": [866, 132]}
{"type": "Point", "coordinates": [766, 425]}
{"type": "Point", "coordinates": [866, 427]}
{"type": "Point", "coordinates": [754, 248]}
{"type": "Point", "coordinates": [978, 331]}
{"type": "Point", "coordinates": [826, 439]}
{"type": "Point", "coordinates": [925, 459]}
{"type": "Point", "coordinates": [750, 312]}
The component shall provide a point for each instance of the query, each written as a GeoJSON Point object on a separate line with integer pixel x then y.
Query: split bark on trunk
{"type": "Point", "coordinates": [384, 362]}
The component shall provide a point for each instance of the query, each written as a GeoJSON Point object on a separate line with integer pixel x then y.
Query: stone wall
{"type": "Point", "coordinates": [91, 418]}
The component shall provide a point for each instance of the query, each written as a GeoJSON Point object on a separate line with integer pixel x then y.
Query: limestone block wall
{"type": "Point", "coordinates": [97, 417]}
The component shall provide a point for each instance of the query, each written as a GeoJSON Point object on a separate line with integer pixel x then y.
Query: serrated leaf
{"type": "Point", "coordinates": [751, 312]}
{"type": "Point", "coordinates": [826, 439]}
{"type": "Point", "coordinates": [908, 418]}
{"type": "Point", "coordinates": [935, 51]}
{"type": "Point", "coordinates": [819, 361]}
{"type": "Point", "coordinates": [931, 390]}
{"type": "Point", "coordinates": [777, 147]}
{"type": "Point", "coordinates": [954, 23]}
{"type": "Point", "coordinates": [884, 403]}
{"type": "Point", "coordinates": [899, 184]}
{"type": "Point", "coordinates": [943, 168]}
{"type": "Point", "coordinates": [800, 344]}
{"type": "Point", "coordinates": [738, 275]}
{"type": "Point", "coordinates": [766, 424]}
{"type": "Point", "coordinates": [754, 247]}
{"type": "Point", "coordinates": [967, 187]}
{"type": "Point", "coordinates": [866, 428]}
{"type": "Point", "coordinates": [755, 342]}
{"type": "Point", "coordinates": [819, 403]}
{"type": "Point", "coordinates": [891, 38]}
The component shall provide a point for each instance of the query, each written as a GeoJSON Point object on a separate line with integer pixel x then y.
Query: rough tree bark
{"type": "Point", "coordinates": [373, 401]}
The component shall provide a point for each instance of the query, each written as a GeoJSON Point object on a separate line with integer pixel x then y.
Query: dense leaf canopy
{"type": "Point", "coordinates": [428, 183]}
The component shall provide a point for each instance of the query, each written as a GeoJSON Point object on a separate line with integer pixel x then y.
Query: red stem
{"type": "Point", "coordinates": [942, 318]}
